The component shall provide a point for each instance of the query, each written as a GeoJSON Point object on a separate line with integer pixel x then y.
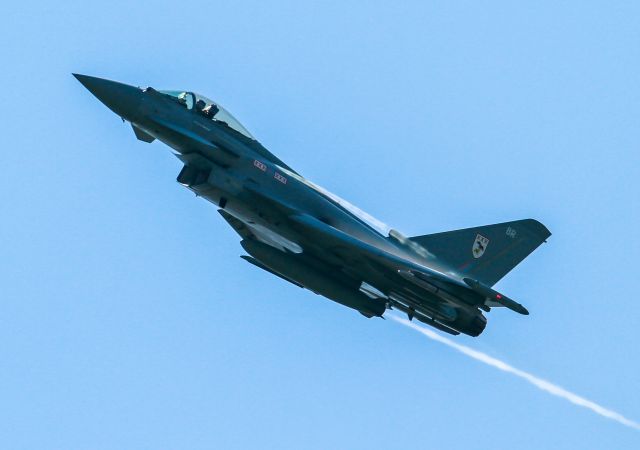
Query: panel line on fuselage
{"type": "Point", "coordinates": [362, 216]}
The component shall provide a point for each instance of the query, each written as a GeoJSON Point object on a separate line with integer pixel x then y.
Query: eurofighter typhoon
{"type": "Point", "coordinates": [313, 239]}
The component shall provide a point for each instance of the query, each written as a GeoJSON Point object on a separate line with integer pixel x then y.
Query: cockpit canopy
{"type": "Point", "coordinates": [208, 108]}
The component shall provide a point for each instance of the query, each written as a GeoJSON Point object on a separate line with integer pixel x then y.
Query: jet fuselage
{"type": "Point", "coordinates": [304, 234]}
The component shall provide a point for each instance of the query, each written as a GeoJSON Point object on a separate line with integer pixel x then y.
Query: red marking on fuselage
{"type": "Point", "coordinates": [280, 178]}
{"type": "Point", "coordinates": [260, 165]}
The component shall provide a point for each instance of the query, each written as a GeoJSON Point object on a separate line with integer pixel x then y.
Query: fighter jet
{"type": "Point", "coordinates": [304, 234]}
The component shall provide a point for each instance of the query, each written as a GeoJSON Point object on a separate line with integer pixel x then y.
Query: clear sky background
{"type": "Point", "coordinates": [127, 319]}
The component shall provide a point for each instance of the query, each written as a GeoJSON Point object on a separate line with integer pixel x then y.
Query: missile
{"type": "Point", "coordinates": [495, 296]}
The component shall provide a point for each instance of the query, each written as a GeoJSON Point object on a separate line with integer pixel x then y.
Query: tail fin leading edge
{"type": "Point", "coordinates": [486, 253]}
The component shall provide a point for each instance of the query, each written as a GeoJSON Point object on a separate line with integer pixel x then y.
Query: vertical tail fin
{"type": "Point", "coordinates": [486, 253]}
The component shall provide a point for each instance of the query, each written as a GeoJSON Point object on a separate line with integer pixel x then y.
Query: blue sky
{"type": "Point", "coordinates": [128, 319]}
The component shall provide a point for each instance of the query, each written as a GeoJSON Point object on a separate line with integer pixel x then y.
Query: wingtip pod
{"type": "Point", "coordinates": [517, 307]}
{"type": "Point", "coordinates": [495, 297]}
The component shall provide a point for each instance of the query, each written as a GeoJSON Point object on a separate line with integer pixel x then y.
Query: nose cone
{"type": "Point", "coordinates": [122, 99]}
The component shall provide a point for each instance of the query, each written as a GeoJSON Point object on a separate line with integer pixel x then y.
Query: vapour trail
{"type": "Point", "coordinates": [544, 385]}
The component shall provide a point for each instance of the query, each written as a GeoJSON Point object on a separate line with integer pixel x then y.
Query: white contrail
{"type": "Point", "coordinates": [545, 385]}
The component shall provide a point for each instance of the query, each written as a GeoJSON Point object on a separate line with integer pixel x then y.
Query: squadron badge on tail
{"type": "Point", "coordinates": [479, 246]}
